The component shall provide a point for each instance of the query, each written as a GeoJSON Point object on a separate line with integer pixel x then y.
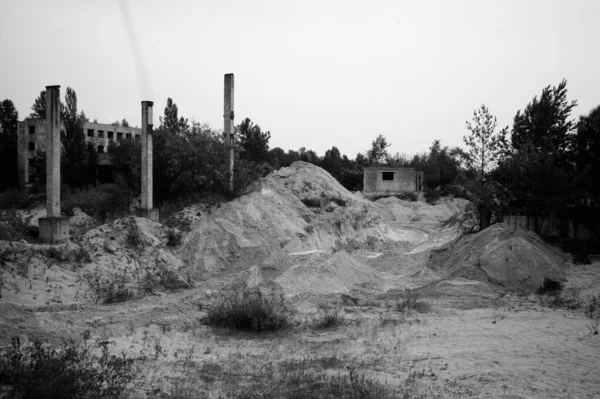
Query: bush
{"type": "Point", "coordinates": [329, 319]}
{"type": "Point", "coordinates": [100, 202]}
{"type": "Point", "coordinates": [549, 287]}
{"type": "Point", "coordinates": [249, 310]}
{"type": "Point", "coordinates": [467, 221]}
{"type": "Point", "coordinates": [12, 227]}
{"type": "Point", "coordinates": [68, 371]}
{"type": "Point", "coordinates": [14, 198]}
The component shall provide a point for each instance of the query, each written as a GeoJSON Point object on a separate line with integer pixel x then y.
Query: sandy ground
{"type": "Point", "coordinates": [471, 343]}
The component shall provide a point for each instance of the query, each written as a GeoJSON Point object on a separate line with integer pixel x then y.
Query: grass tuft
{"type": "Point", "coordinates": [329, 319]}
{"type": "Point", "coordinates": [250, 310]}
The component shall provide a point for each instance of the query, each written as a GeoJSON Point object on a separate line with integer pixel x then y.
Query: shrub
{"type": "Point", "coordinates": [174, 238]}
{"type": "Point", "coordinates": [68, 371]}
{"type": "Point", "coordinates": [329, 319]}
{"type": "Point", "coordinates": [109, 289]}
{"type": "Point", "coordinates": [12, 227]}
{"type": "Point", "coordinates": [14, 198]}
{"type": "Point", "coordinates": [250, 310]}
{"type": "Point", "coordinates": [549, 287]}
{"type": "Point", "coordinates": [102, 201]}
{"type": "Point", "coordinates": [467, 221]}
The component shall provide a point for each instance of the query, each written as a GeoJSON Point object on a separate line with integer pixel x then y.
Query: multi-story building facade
{"type": "Point", "coordinates": [32, 137]}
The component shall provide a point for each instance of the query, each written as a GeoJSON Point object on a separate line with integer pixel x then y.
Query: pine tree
{"type": "Point", "coordinates": [39, 106]}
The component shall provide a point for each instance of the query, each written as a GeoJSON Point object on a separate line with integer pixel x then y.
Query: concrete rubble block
{"type": "Point", "coordinates": [54, 229]}
{"type": "Point", "coordinates": [150, 214]}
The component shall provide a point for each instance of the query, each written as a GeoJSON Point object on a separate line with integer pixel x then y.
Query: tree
{"type": "Point", "coordinates": [485, 145]}
{"type": "Point", "coordinates": [253, 142]}
{"type": "Point", "coordinates": [586, 148]}
{"type": "Point", "coordinates": [74, 160]}
{"type": "Point", "coordinates": [127, 160]}
{"type": "Point", "coordinates": [39, 106]}
{"type": "Point", "coordinates": [441, 166]}
{"type": "Point", "coordinates": [309, 156]}
{"type": "Point", "coordinates": [332, 163]}
{"type": "Point", "coordinates": [124, 123]}
{"type": "Point", "coordinates": [37, 169]}
{"type": "Point", "coordinates": [9, 119]}
{"type": "Point", "coordinates": [544, 125]}
{"type": "Point", "coordinates": [171, 121]}
{"type": "Point", "coordinates": [485, 149]}
{"type": "Point", "coordinates": [398, 160]}
{"type": "Point", "coordinates": [378, 151]}
{"type": "Point", "coordinates": [278, 158]}
{"type": "Point", "coordinates": [538, 173]}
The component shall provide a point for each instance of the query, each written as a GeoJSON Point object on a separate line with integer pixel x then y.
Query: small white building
{"type": "Point", "coordinates": [390, 180]}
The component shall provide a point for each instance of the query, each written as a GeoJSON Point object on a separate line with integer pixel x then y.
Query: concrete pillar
{"type": "Point", "coordinates": [147, 211]}
{"type": "Point", "coordinates": [228, 116]}
{"type": "Point", "coordinates": [53, 228]}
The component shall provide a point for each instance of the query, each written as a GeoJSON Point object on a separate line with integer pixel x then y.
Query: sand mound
{"type": "Point", "coordinates": [436, 240]}
{"type": "Point", "coordinates": [126, 258]}
{"type": "Point", "coordinates": [505, 258]}
{"type": "Point", "coordinates": [393, 208]}
{"type": "Point", "coordinates": [308, 182]}
{"type": "Point", "coordinates": [339, 274]}
{"type": "Point", "coordinates": [295, 209]}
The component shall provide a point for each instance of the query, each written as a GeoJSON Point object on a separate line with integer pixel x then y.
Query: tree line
{"type": "Point", "coordinates": [545, 164]}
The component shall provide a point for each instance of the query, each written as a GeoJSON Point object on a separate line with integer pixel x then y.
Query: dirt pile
{"type": "Point", "coordinates": [507, 259]}
{"type": "Point", "coordinates": [311, 184]}
{"type": "Point", "coordinates": [392, 208]}
{"type": "Point", "coordinates": [127, 258]}
{"type": "Point", "coordinates": [78, 223]}
{"type": "Point", "coordinates": [340, 273]}
{"type": "Point", "coordinates": [294, 209]}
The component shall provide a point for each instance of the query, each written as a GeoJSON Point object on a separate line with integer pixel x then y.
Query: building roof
{"type": "Point", "coordinates": [386, 167]}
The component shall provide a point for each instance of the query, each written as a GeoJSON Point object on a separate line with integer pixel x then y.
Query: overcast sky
{"type": "Point", "coordinates": [315, 73]}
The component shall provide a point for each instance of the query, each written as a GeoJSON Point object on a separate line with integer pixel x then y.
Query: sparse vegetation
{"type": "Point", "coordinates": [593, 312]}
{"type": "Point", "coordinates": [174, 238]}
{"type": "Point", "coordinates": [549, 287]}
{"type": "Point", "coordinates": [103, 202]}
{"type": "Point", "coordinates": [70, 370]}
{"type": "Point", "coordinates": [295, 381]}
{"type": "Point", "coordinates": [13, 198]}
{"type": "Point", "coordinates": [12, 227]}
{"type": "Point", "coordinates": [329, 319]}
{"type": "Point", "coordinates": [250, 310]}
{"type": "Point", "coordinates": [112, 289]}
{"type": "Point", "coordinates": [412, 302]}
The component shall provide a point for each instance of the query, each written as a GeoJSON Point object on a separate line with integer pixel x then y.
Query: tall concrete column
{"type": "Point", "coordinates": [53, 151]}
{"type": "Point", "coordinates": [228, 116]}
{"type": "Point", "coordinates": [53, 228]}
{"type": "Point", "coordinates": [147, 178]}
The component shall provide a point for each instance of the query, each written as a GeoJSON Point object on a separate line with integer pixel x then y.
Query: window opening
{"type": "Point", "coordinates": [387, 175]}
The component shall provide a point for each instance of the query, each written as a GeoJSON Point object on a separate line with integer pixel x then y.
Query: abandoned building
{"type": "Point", "coordinates": [390, 180]}
{"type": "Point", "coordinates": [32, 137]}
